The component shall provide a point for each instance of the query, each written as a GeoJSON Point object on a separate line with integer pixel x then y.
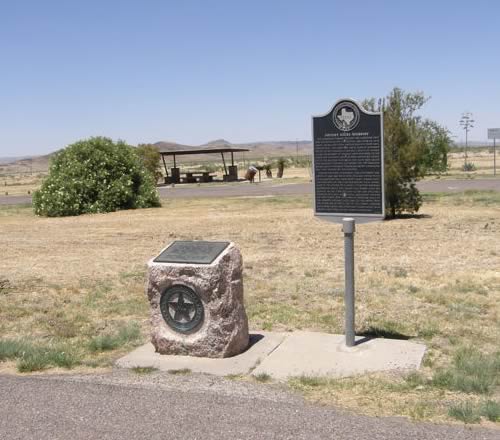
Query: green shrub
{"type": "Point", "coordinates": [150, 157]}
{"type": "Point", "coordinates": [95, 175]}
{"type": "Point", "coordinates": [468, 166]}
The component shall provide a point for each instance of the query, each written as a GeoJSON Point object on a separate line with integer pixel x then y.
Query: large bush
{"type": "Point", "coordinates": [150, 157]}
{"type": "Point", "coordinates": [95, 175]}
{"type": "Point", "coordinates": [413, 147]}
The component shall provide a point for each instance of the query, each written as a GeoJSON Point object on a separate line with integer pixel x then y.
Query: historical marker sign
{"type": "Point", "coordinates": [192, 252]}
{"type": "Point", "coordinates": [348, 163]}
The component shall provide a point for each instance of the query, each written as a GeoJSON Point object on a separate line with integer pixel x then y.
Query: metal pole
{"type": "Point", "coordinates": [494, 156]}
{"type": "Point", "coordinates": [465, 159]}
{"type": "Point", "coordinates": [348, 228]}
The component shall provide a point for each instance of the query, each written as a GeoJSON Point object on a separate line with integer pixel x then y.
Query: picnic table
{"type": "Point", "coordinates": [199, 176]}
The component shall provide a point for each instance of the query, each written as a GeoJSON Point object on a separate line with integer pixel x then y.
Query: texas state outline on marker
{"type": "Point", "coordinates": [345, 116]}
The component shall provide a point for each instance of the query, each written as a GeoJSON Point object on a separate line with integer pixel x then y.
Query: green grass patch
{"type": "Point", "coordinates": [468, 412]}
{"type": "Point", "coordinates": [263, 377]}
{"type": "Point", "coordinates": [465, 412]}
{"type": "Point", "coordinates": [125, 335]}
{"type": "Point", "coordinates": [470, 372]}
{"type": "Point", "coordinates": [308, 382]}
{"type": "Point", "coordinates": [490, 410]}
{"type": "Point", "coordinates": [35, 357]}
{"type": "Point", "coordinates": [180, 372]}
{"type": "Point", "coordinates": [12, 348]}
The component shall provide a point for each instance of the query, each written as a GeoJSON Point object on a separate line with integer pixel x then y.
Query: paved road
{"type": "Point", "coordinates": [99, 408]}
{"type": "Point", "coordinates": [271, 189]}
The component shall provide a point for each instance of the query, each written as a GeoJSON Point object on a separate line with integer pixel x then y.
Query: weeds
{"type": "Point", "coordinates": [125, 335]}
{"type": "Point", "coordinates": [35, 357]}
{"type": "Point", "coordinates": [471, 372]}
{"type": "Point", "coordinates": [464, 412]}
{"type": "Point", "coordinates": [263, 377]}
{"type": "Point", "coordinates": [144, 370]}
{"type": "Point", "coordinates": [308, 381]}
{"type": "Point", "coordinates": [468, 412]}
{"type": "Point", "coordinates": [4, 285]}
{"type": "Point", "coordinates": [180, 372]}
{"type": "Point", "coordinates": [491, 410]}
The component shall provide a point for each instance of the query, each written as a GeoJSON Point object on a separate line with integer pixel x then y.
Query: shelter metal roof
{"type": "Point", "coordinates": [201, 151]}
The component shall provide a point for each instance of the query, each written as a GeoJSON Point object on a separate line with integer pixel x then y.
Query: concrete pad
{"type": "Point", "coordinates": [262, 344]}
{"type": "Point", "coordinates": [320, 354]}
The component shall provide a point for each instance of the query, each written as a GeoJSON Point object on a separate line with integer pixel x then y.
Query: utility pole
{"type": "Point", "coordinates": [467, 123]}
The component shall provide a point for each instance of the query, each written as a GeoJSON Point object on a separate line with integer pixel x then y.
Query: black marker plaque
{"type": "Point", "coordinates": [348, 162]}
{"type": "Point", "coordinates": [192, 252]}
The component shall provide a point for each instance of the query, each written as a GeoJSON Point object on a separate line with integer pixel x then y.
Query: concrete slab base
{"type": "Point", "coordinates": [320, 354]}
{"type": "Point", "coordinates": [262, 344]}
{"type": "Point", "coordinates": [284, 355]}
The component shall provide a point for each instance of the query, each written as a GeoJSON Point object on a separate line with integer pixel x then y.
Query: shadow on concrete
{"type": "Point", "coordinates": [253, 339]}
{"type": "Point", "coordinates": [375, 332]}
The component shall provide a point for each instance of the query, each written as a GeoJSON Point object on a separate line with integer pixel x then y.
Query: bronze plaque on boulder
{"type": "Point", "coordinates": [192, 252]}
{"type": "Point", "coordinates": [198, 309]}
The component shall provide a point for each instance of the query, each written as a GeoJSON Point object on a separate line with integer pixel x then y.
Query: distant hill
{"type": "Point", "coordinates": [259, 149]}
{"type": "Point", "coordinates": [34, 164]}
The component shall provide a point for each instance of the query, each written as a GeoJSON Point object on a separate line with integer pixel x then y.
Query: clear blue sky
{"type": "Point", "coordinates": [194, 71]}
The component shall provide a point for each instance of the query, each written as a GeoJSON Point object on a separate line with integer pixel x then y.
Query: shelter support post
{"type": "Point", "coordinates": [224, 162]}
{"type": "Point", "coordinates": [164, 164]}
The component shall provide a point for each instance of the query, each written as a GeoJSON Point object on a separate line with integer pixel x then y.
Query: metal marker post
{"type": "Point", "coordinates": [494, 156]}
{"type": "Point", "coordinates": [348, 228]}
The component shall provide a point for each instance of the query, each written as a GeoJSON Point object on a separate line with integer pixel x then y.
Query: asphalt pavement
{"type": "Point", "coordinates": [276, 188]}
{"type": "Point", "coordinates": [188, 407]}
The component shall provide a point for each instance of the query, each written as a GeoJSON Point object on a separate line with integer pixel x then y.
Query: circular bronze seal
{"type": "Point", "coordinates": [181, 308]}
{"type": "Point", "coordinates": [345, 116]}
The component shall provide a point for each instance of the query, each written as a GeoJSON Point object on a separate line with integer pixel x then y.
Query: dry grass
{"type": "Point", "coordinates": [434, 279]}
{"type": "Point", "coordinates": [481, 158]}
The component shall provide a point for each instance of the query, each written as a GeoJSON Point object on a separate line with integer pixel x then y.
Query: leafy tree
{"type": "Point", "coordinates": [150, 157]}
{"type": "Point", "coordinates": [95, 175]}
{"type": "Point", "coordinates": [281, 162]}
{"type": "Point", "coordinates": [413, 147]}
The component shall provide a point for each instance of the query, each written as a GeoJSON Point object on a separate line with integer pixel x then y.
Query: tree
{"type": "Point", "coordinates": [413, 147]}
{"type": "Point", "coordinates": [95, 175]}
{"type": "Point", "coordinates": [281, 162]}
{"type": "Point", "coordinates": [150, 157]}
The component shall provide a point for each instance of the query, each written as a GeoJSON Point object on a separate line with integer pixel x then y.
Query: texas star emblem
{"type": "Point", "coordinates": [181, 308]}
